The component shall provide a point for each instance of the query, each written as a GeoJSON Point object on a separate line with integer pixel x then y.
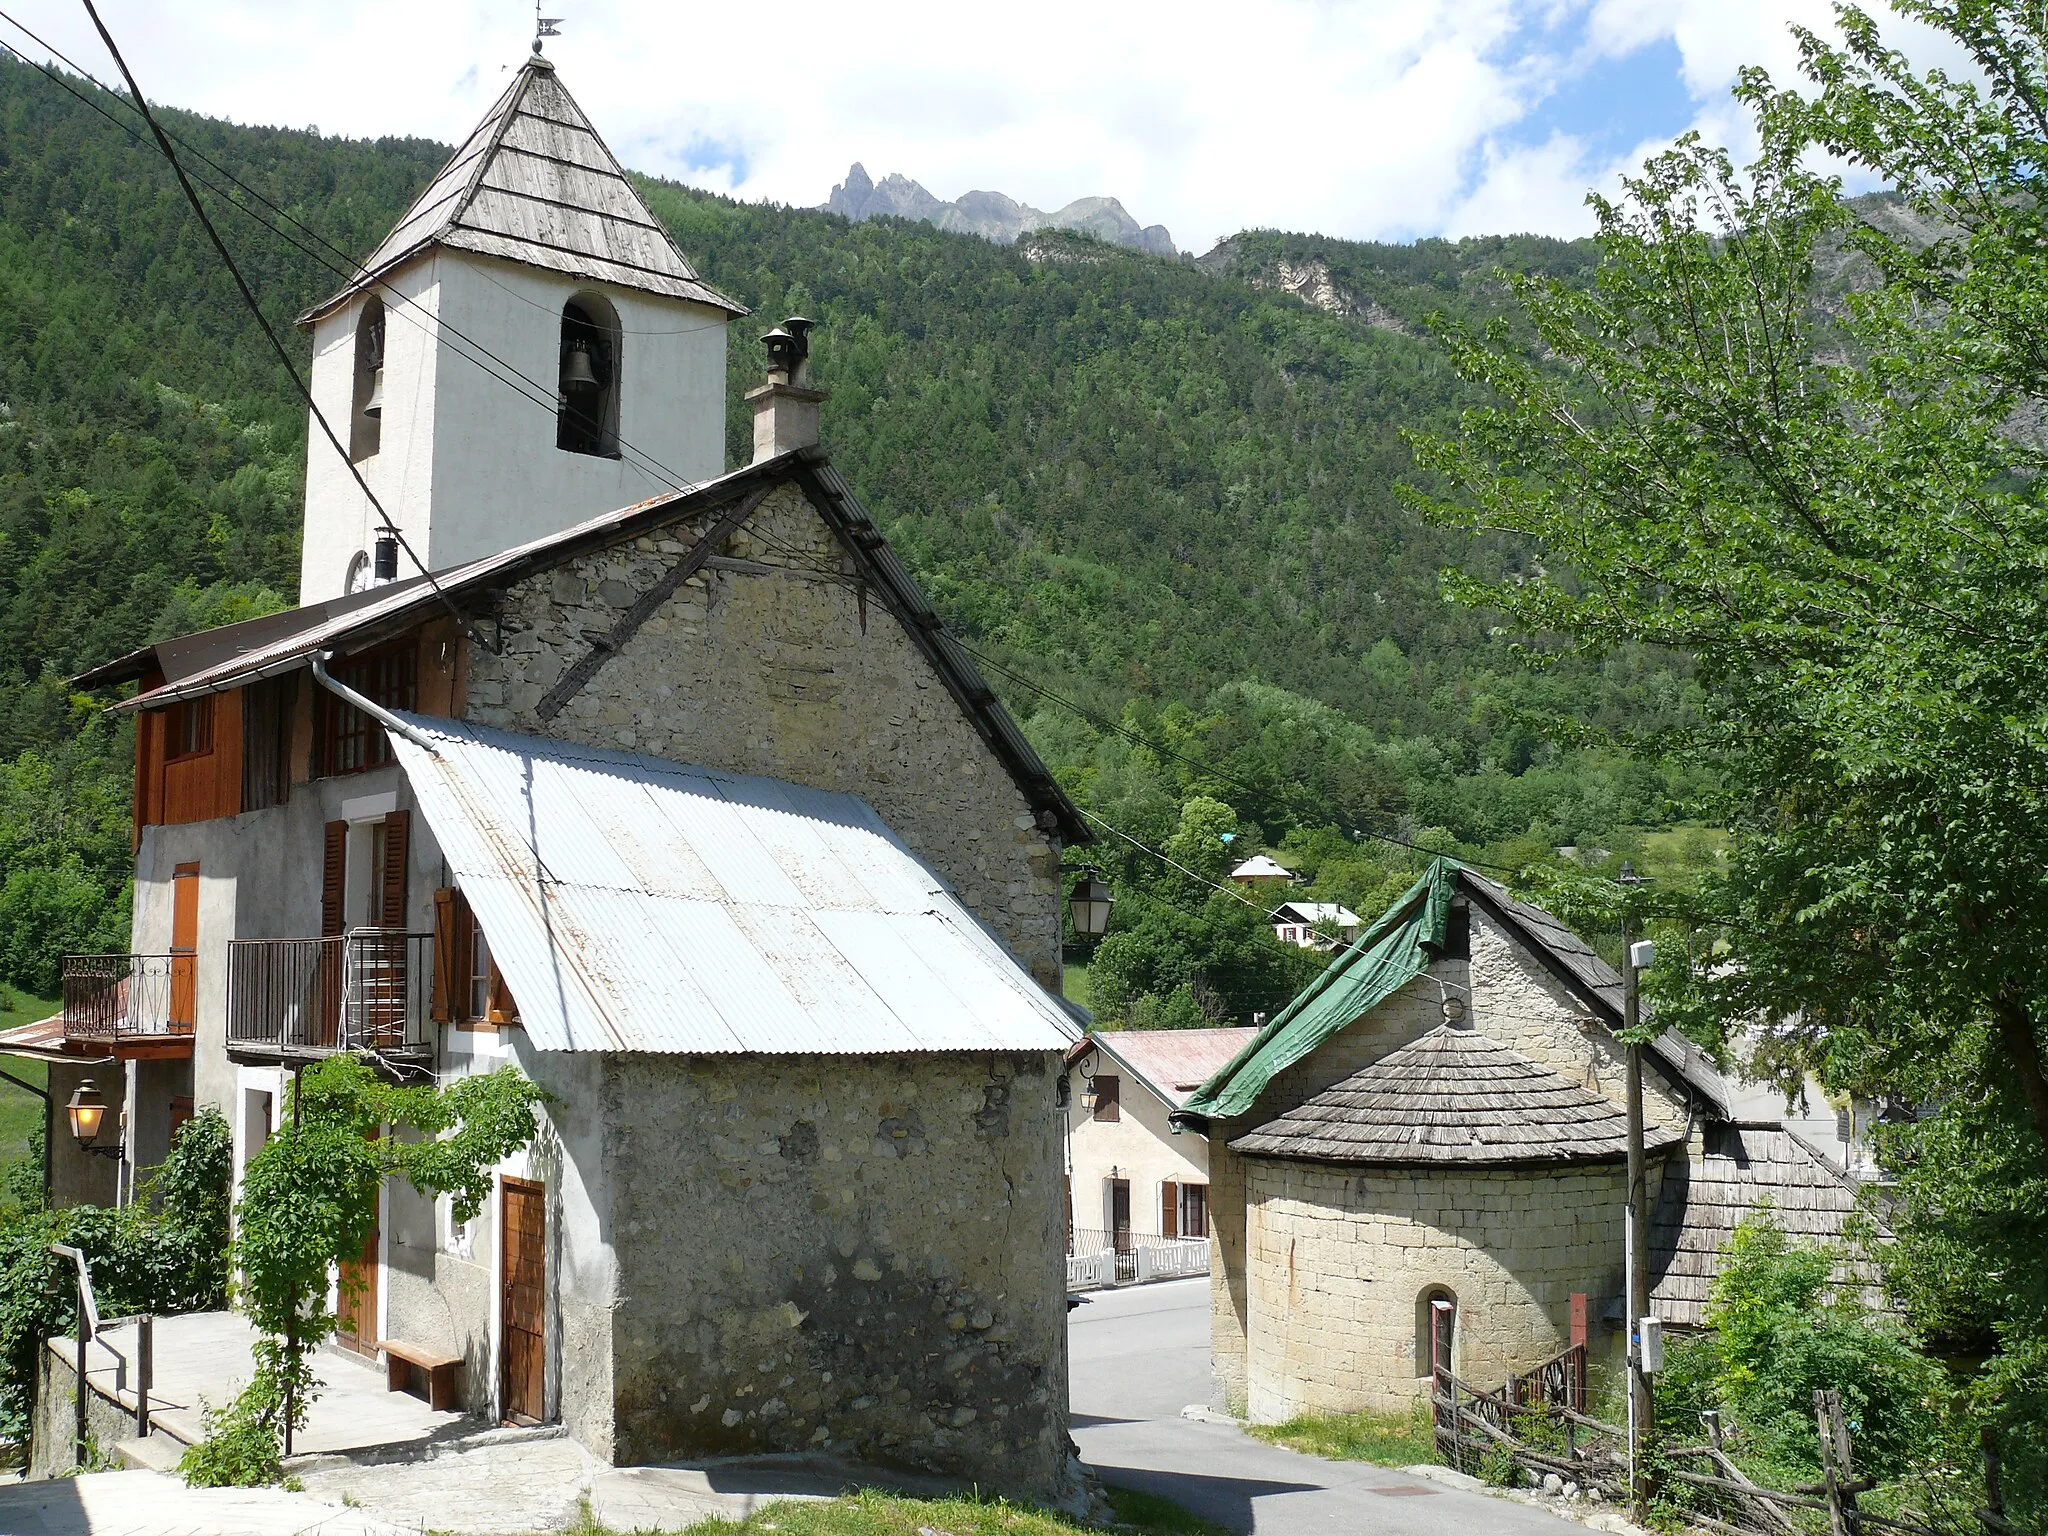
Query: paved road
{"type": "Point", "coordinates": [1140, 1355]}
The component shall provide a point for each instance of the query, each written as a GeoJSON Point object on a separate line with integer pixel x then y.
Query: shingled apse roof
{"type": "Point", "coordinates": [535, 184]}
{"type": "Point", "coordinates": [1452, 1097]}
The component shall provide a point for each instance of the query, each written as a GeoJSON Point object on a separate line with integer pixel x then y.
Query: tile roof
{"type": "Point", "coordinates": [1453, 1097]}
{"type": "Point", "coordinates": [1260, 867]}
{"type": "Point", "coordinates": [1173, 1063]}
{"type": "Point", "coordinates": [1731, 1172]}
{"type": "Point", "coordinates": [636, 904]}
{"type": "Point", "coordinates": [535, 184]}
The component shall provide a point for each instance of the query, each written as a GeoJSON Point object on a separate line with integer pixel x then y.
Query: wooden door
{"type": "Point", "coordinates": [356, 1317]}
{"type": "Point", "coordinates": [523, 1321]}
{"type": "Point", "coordinates": [184, 947]}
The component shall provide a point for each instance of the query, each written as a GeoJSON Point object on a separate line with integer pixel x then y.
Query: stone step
{"type": "Point", "coordinates": [159, 1453]}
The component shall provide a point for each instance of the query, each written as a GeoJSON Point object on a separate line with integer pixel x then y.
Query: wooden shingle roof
{"type": "Point", "coordinates": [1733, 1172]}
{"type": "Point", "coordinates": [1452, 1098]}
{"type": "Point", "coordinates": [535, 184]}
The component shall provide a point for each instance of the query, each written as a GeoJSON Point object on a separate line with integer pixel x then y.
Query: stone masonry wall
{"type": "Point", "coordinates": [771, 661]}
{"type": "Point", "coordinates": [1341, 1263]}
{"type": "Point", "coordinates": [846, 1254]}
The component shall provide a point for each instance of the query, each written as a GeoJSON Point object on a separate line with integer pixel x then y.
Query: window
{"type": "Point", "coordinates": [469, 988]}
{"type": "Point", "coordinates": [349, 740]}
{"type": "Point", "coordinates": [1194, 1210]}
{"type": "Point", "coordinates": [366, 404]}
{"type": "Point", "coordinates": [1436, 1328]}
{"type": "Point", "coordinates": [1108, 1102]}
{"type": "Point", "coordinates": [587, 410]}
{"type": "Point", "coordinates": [189, 732]}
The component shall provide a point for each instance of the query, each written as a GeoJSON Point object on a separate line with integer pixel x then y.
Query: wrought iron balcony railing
{"type": "Point", "coordinates": [369, 990]}
{"type": "Point", "coordinates": [129, 999]}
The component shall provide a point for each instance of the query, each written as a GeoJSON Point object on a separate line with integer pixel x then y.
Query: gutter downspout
{"type": "Point", "coordinates": [376, 712]}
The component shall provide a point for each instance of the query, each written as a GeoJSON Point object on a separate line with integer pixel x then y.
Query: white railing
{"type": "Point", "coordinates": [1097, 1258]}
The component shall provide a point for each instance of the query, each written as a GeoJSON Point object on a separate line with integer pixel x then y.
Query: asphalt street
{"type": "Point", "coordinates": [1140, 1355]}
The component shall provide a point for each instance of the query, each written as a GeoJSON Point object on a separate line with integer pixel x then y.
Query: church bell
{"type": "Point", "coordinates": [577, 372]}
{"type": "Point", "coordinates": [374, 406]}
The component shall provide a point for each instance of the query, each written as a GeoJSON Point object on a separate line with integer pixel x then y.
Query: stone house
{"type": "Point", "coordinates": [667, 787]}
{"type": "Point", "coordinates": [1422, 1161]}
{"type": "Point", "coordinates": [1130, 1175]}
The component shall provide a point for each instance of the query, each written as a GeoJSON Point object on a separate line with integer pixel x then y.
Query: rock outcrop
{"type": "Point", "coordinates": [992, 215]}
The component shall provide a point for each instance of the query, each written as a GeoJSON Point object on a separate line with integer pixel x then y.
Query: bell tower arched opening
{"type": "Point", "coordinates": [1436, 1330]}
{"type": "Point", "coordinates": [587, 414]}
{"type": "Point", "coordinates": [366, 403]}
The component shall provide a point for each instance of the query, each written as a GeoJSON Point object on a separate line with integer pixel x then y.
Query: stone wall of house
{"type": "Point", "coordinates": [774, 661]}
{"type": "Point", "coordinates": [1342, 1263]}
{"type": "Point", "coordinates": [856, 1255]}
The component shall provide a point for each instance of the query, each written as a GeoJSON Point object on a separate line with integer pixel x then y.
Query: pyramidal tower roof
{"type": "Point", "coordinates": [535, 184]}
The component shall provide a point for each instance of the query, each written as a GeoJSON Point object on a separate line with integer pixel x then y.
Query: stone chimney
{"type": "Point", "coordinates": [786, 407]}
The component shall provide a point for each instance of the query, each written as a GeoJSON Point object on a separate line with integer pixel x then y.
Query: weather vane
{"type": "Point", "coordinates": [544, 26]}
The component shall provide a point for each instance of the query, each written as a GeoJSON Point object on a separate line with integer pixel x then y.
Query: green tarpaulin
{"type": "Point", "coordinates": [1382, 960]}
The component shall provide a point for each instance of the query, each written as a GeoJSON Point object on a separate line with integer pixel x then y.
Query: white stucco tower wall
{"type": "Point", "coordinates": [467, 463]}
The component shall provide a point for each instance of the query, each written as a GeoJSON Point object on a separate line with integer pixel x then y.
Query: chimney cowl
{"type": "Point", "coordinates": [786, 407]}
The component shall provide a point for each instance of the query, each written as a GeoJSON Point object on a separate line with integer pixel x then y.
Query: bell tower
{"type": "Point", "coordinates": [526, 349]}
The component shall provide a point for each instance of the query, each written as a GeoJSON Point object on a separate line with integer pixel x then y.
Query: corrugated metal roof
{"type": "Point", "coordinates": [535, 184]}
{"type": "Point", "coordinates": [636, 904]}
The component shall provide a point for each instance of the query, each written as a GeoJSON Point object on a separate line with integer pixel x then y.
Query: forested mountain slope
{"type": "Point", "coordinates": [1165, 490]}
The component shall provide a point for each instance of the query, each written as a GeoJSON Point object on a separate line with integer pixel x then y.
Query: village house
{"type": "Point", "coordinates": [1134, 1184]}
{"type": "Point", "coordinates": [669, 788]}
{"type": "Point", "coordinates": [1420, 1163]}
{"type": "Point", "coordinates": [1315, 924]}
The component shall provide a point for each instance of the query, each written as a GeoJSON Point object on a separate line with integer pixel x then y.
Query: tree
{"type": "Point", "coordinates": [1780, 435]}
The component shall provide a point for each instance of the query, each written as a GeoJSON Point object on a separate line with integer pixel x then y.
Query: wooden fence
{"type": "Point", "coordinates": [1539, 1418]}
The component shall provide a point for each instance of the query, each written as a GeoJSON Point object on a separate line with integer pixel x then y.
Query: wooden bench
{"type": "Point", "coordinates": [437, 1366]}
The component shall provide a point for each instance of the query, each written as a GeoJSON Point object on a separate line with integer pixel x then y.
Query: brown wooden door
{"type": "Point", "coordinates": [524, 1323]}
{"type": "Point", "coordinates": [356, 1317]}
{"type": "Point", "coordinates": [184, 946]}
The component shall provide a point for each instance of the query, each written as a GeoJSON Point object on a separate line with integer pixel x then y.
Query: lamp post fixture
{"type": "Point", "coordinates": [1089, 903]}
{"type": "Point", "coordinates": [1641, 1406]}
{"type": "Point", "coordinates": [86, 1111]}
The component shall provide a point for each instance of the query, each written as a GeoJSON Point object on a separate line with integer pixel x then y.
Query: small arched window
{"type": "Point", "coordinates": [366, 410]}
{"type": "Point", "coordinates": [1436, 1330]}
{"type": "Point", "coordinates": [587, 416]}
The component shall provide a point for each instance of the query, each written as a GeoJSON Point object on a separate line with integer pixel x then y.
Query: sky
{"type": "Point", "coordinates": [1368, 119]}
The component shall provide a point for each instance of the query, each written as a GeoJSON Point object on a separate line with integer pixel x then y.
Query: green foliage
{"type": "Point", "coordinates": [240, 1445]}
{"type": "Point", "coordinates": [1792, 436]}
{"type": "Point", "coordinates": [308, 1202]}
{"type": "Point", "coordinates": [1498, 1466]}
{"type": "Point", "coordinates": [166, 1252]}
{"type": "Point", "coordinates": [1390, 1439]}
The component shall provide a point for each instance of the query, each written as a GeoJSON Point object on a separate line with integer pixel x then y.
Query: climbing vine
{"type": "Point", "coordinates": [308, 1203]}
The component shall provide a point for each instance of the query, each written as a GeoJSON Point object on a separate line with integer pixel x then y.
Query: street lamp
{"type": "Point", "coordinates": [86, 1110]}
{"type": "Point", "coordinates": [1089, 904]}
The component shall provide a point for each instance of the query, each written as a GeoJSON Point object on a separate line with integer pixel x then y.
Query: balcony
{"type": "Point", "coordinates": [295, 1000]}
{"type": "Point", "coordinates": [131, 1006]}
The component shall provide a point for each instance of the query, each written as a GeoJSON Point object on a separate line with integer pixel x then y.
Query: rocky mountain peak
{"type": "Point", "coordinates": [992, 215]}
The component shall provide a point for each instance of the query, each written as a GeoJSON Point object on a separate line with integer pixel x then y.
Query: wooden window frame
{"type": "Point", "coordinates": [178, 727]}
{"type": "Point", "coordinates": [456, 931]}
{"type": "Point", "coordinates": [347, 741]}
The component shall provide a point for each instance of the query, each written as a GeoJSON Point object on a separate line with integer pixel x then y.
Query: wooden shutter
{"type": "Point", "coordinates": [503, 1010]}
{"type": "Point", "coordinates": [1108, 1098]}
{"type": "Point", "coordinates": [396, 832]}
{"type": "Point", "coordinates": [451, 954]}
{"type": "Point", "coordinates": [1169, 1209]}
{"type": "Point", "coordinates": [332, 876]}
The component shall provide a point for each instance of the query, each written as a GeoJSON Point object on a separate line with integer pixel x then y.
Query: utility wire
{"type": "Point", "coordinates": [255, 308]}
{"type": "Point", "coordinates": [349, 270]}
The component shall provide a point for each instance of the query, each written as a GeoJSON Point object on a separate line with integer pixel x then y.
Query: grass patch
{"type": "Point", "coordinates": [21, 1113]}
{"type": "Point", "coordinates": [881, 1514]}
{"type": "Point", "coordinates": [1389, 1439]}
{"type": "Point", "coordinates": [1075, 985]}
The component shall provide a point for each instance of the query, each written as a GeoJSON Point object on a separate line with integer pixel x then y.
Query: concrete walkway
{"type": "Point", "coordinates": [204, 1358]}
{"type": "Point", "coordinates": [150, 1504]}
{"type": "Point", "coordinates": [1139, 1356]}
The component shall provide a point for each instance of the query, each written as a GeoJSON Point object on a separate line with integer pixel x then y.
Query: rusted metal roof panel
{"type": "Point", "coordinates": [1173, 1063]}
{"type": "Point", "coordinates": [636, 904]}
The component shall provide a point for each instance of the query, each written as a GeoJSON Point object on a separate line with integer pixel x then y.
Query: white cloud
{"type": "Point", "coordinates": [1368, 118]}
